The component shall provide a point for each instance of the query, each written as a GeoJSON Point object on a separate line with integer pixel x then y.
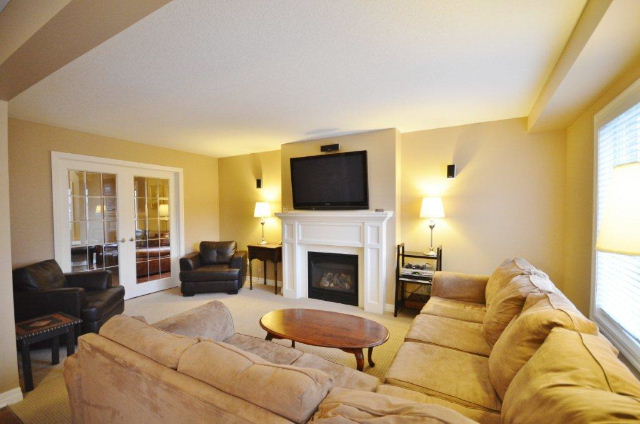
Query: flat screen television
{"type": "Point", "coordinates": [333, 181]}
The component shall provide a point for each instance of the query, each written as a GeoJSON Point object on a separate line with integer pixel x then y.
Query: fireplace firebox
{"type": "Point", "coordinates": [333, 277]}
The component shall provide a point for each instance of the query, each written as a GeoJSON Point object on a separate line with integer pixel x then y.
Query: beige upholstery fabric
{"type": "Point", "coordinates": [163, 347]}
{"type": "Point", "coordinates": [572, 378]}
{"type": "Point", "coordinates": [210, 321]}
{"type": "Point", "coordinates": [111, 384]}
{"type": "Point", "coordinates": [267, 350]}
{"type": "Point", "coordinates": [480, 415]}
{"type": "Point", "coordinates": [465, 311]}
{"type": "Point", "coordinates": [447, 373]}
{"type": "Point", "coordinates": [541, 313]}
{"type": "Point", "coordinates": [458, 286]}
{"type": "Point", "coordinates": [345, 377]}
{"type": "Point", "coordinates": [291, 392]}
{"type": "Point", "coordinates": [354, 406]}
{"type": "Point", "coordinates": [448, 332]}
{"type": "Point", "coordinates": [509, 300]}
{"type": "Point", "coordinates": [504, 273]}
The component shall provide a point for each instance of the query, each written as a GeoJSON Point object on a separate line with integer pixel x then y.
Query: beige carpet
{"type": "Point", "coordinates": [47, 403]}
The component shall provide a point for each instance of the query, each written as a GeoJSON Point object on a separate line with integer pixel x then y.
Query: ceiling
{"type": "Point", "coordinates": [239, 76]}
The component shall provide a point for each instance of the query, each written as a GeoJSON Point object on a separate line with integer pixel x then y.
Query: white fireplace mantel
{"type": "Point", "coordinates": [353, 232]}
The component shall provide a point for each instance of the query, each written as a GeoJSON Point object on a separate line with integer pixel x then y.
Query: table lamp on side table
{"type": "Point", "coordinates": [432, 208]}
{"type": "Point", "coordinates": [262, 211]}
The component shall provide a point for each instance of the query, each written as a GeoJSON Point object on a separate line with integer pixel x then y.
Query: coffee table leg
{"type": "Point", "coordinates": [371, 363]}
{"type": "Point", "coordinates": [269, 337]}
{"type": "Point", "coordinates": [26, 365]}
{"type": "Point", "coordinates": [55, 350]}
{"type": "Point", "coordinates": [359, 359]}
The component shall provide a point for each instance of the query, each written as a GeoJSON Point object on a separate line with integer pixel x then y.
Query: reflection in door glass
{"type": "Point", "coordinates": [153, 246]}
{"type": "Point", "coordinates": [93, 222]}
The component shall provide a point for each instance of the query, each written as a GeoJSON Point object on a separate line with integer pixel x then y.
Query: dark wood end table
{"type": "Point", "coordinates": [44, 328]}
{"type": "Point", "coordinates": [346, 332]}
{"type": "Point", "coordinates": [265, 252]}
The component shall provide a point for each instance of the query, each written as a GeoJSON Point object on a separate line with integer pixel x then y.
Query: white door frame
{"type": "Point", "coordinates": [59, 169]}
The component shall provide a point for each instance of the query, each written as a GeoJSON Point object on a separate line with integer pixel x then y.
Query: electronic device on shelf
{"type": "Point", "coordinates": [420, 272]}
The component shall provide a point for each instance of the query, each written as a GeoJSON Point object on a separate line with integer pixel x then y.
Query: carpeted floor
{"type": "Point", "coordinates": [47, 403]}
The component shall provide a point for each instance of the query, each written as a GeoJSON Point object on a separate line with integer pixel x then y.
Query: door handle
{"type": "Point", "coordinates": [132, 239]}
{"type": "Point", "coordinates": [122, 240]}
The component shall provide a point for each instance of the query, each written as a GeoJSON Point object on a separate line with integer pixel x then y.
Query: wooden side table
{"type": "Point", "coordinates": [264, 253]}
{"type": "Point", "coordinates": [44, 328]}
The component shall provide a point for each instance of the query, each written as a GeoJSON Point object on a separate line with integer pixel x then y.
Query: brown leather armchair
{"type": "Point", "coordinates": [42, 288]}
{"type": "Point", "coordinates": [217, 267]}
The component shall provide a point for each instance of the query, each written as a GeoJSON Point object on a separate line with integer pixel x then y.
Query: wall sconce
{"type": "Point", "coordinates": [451, 170]}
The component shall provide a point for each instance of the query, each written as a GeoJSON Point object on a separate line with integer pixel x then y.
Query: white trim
{"type": "Point", "coordinates": [116, 162]}
{"type": "Point", "coordinates": [10, 397]}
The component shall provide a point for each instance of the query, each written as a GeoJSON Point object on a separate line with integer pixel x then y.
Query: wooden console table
{"type": "Point", "coordinates": [264, 253]}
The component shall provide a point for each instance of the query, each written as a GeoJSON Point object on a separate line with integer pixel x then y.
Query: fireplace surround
{"type": "Point", "coordinates": [333, 277]}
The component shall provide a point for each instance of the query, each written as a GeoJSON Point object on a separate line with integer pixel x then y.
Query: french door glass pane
{"type": "Point", "coordinates": [153, 245]}
{"type": "Point", "coordinates": [92, 211]}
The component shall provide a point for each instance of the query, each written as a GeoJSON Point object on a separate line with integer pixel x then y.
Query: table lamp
{"type": "Point", "coordinates": [262, 211]}
{"type": "Point", "coordinates": [619, 230]}
{"type": "Point", "coordinates": [432, 208]}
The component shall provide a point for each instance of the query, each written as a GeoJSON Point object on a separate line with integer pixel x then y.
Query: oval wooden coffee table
{"type": "Point", "coordinates": [349, 333]}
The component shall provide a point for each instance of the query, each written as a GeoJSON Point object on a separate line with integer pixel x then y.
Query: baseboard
{"type": "Point", "coordinates": [10, 396]}
{"type": "Point", "coordinates": [388, 307]}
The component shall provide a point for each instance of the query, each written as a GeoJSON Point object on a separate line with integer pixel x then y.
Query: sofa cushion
{"type": "Point", "coordinates": [162, 347]}
{"type": "Point", "coordinates": [508, 302]}
{"type": "Point", "coordinates": [267, 350]}
{"type": "Point", "coordinates": [450, 374]}
{"type": "Point", "coordinates": [291, 392]}
{"type": "Point", "coordinates": [346, 377]}
{"type": "Point", "coordinates": [524, 335]}
{"type": "Point", "coordinates": [217, 252]}
{"type": "Point", "coordinates": [465, 311]}
{"type": "Point", "coordinates": [355, 406]}
{"type": "Point", "coordinates": [99, 302]}
{"type": "Point", "coordinates": [448, 332]}
{"type": "Point", "coordinates": [480, 415]}
{"type": "Point", "coordinates": [572, 378]}
{"type": "Point", "coordinates": [216, 272]}
{"type": "Point", "coordinates": [211, 321]}
{"type": "Point", "coordinates": [504, 273]}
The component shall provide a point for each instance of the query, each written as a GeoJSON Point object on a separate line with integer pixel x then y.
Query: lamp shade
{"type": "Point", "coordinates": [262, 210]}
{"type": "Point", "coordinates": [432, 208]}
{"type": "Point", "coordinates": [619, 230]}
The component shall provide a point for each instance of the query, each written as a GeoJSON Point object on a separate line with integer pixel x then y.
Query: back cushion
{"type": "Point", "coordinates": [211, 321]}
{"type": "Point", "coordinates": [542, 312]}
{"type": "Point", "coordinates": [39, 276]}
{"type": "Point", "coordinates": [162, 347]}
{"type": "Point", "coordinates": [217, 252]}
{"type": "Point", "coordinates": [509, 300]}
{"type": "Point", "coordinates": [291, 392]}
{"type": "Point", "coordinates": [504, 273]}
{"type": "Point", "coordinates": [573, 378]}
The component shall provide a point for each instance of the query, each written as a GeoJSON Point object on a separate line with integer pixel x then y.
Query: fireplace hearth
{"type": "Point", "coordinates": [333, 277]}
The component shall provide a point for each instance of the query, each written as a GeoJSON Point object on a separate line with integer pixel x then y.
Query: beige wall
{"type": "Point", "coordinates": [30, 146]}
{"type": "Point", "coordinates": [238, 196]}
{"type": "Point", "coordinates": [578, 226]}
{"type": "Point", "coordinates": [8, 363]}
{"type": "Point", "coordinates": [506, 200]}
{"type": "Point", "coordinates": [381, 147]}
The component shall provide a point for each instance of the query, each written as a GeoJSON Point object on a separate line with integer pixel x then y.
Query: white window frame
{"type": "Point", "coordinates": [609, 327]}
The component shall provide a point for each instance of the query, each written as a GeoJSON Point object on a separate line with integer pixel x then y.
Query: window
{"type": "Point", "coordinates": [616, 300]}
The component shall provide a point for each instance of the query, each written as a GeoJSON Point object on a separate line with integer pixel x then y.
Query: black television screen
{"type": "Point", "coordinates": [334, 181]}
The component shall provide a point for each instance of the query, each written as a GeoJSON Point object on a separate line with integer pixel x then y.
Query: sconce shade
{"type": "Point", "coordinates": [432, 208]}
{"type": "Point", "coordinates": [619, 230]}
{"type": "Point", "coordinates": [262, 210]}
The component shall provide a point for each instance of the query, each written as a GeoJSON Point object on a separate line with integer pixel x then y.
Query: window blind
{"type": "Point", "coordinates": [617, 276]}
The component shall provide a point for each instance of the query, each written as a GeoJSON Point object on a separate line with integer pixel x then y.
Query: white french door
{"type": "Point", "coordinates": [124, 217]}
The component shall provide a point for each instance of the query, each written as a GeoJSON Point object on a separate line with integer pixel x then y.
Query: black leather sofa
{"type": "Point", "coordinates": [42, 288]}
{"type": "Point", "coordinates": [217, 267]}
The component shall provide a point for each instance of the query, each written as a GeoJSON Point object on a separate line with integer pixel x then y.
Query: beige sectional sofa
{"type": "Point", "coordinates": [507, 348]}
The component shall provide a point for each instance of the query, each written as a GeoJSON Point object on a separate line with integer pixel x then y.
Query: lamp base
{"type": "Point", "coordinates": [263, 242]}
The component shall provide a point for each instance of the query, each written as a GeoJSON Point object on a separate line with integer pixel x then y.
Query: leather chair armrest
{"type": "Point", "coordinates": [458, 286]}
{"type": "Point", "coordinates": [190, 262]}
{"type": "Point", "coordinates": [90, 280]}
{"type": "Point", "coordinates": [32, 304]}
{"type": "Point", "coordinates": [238, 260]}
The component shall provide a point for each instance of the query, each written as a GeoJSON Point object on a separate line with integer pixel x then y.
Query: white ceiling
{"type": "Point", "coordinates": [239, 76]}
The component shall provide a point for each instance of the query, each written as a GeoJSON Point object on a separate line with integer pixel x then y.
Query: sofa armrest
{"type": "Point", "coordinates": [458, 286]}
{"type": "Point", "coordinates": [210, 321]}
{"type": "Point", "coordinates": [238, 260]}
{"type": "Point", "coordinates": [32, 304]}
{"type": "Point", "coordinates": [190, 262]}
{"type": "Point", "coordinates": [90, 280]}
